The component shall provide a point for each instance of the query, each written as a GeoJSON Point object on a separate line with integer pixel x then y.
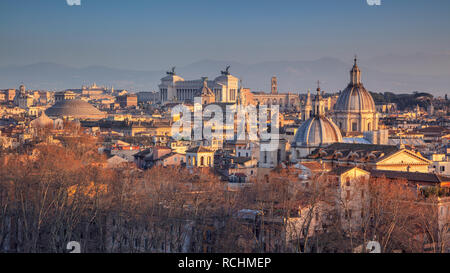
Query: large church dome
{"type": "Point", "coordinates": [355, 98]}
{"type": "Point", "coordinates": [74, 108]}
{"type": "Point", "coordinates": [317, 131]}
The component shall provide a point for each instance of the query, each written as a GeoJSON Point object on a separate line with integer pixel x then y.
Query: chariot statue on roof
{"type": "Point", "coordinates": [172, 71]}
{"type": "Point", "coordinates": [226, 72]}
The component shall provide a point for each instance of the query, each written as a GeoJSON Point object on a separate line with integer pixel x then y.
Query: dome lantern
{"type": "Point", "coordinates": [355, 73]}
{"type": "Point", "coordinates": [319, 107]}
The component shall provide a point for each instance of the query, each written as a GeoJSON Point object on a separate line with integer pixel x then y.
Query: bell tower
{"type": "Point", "coordinates": [308, 107]}
{"type": "Point", "coordinates": [274, 85]}
{"type": "Point", "coordinates": [319, 107]}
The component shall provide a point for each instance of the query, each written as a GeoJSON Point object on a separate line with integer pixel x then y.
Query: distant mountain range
{"type": "Point", "coordinates": [378, 75]}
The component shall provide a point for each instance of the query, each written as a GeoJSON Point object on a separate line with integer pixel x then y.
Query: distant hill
{"type": "Point", "coordinates": [403, 101]}
{"type": "Point", "coordinates": [293, 76]}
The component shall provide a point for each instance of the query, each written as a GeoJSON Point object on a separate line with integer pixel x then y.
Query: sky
{"type": "Point", "coordinates": [155, 34]}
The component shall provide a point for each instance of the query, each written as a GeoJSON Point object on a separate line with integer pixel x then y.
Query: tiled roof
{"type": "Point", "coordinates": [352, 151]}
{"type": "Point", "coordinates": [340, 170]}
{"type": "Point", "coordinates": [313, 166]}
{"type": "Point", "coordinates": [199, 149]}
{"type": "Point", "coordinates": [410, 176]}
{"type": "Point", "coordinates": [142, 153]}
{"type": "Point", "coordinates": [241, 160]}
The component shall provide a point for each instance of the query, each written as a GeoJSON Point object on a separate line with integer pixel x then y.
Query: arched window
{"type": "Point", "coordinates": [202, 161]}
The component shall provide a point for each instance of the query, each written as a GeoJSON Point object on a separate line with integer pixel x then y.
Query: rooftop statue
{"type": "Point", "coordinates": [172, 71]}
{"type": "Point", "coordinates": [226, 72]}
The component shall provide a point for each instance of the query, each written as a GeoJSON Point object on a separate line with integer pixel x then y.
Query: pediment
{"type": "Point", "coordinates": [404, 157]}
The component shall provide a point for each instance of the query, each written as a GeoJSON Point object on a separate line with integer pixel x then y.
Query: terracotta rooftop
{"type": "Point", "coordinates": [353, 151]}
{"type": "Point", "coordinates": [199, 149]}
{"type": "Point", "coordinates": [340, 170]}
{"type": "Point", "coordinates": [411, 176]}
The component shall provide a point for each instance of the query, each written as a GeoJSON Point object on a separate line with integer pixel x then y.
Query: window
{"type": "Point", "coordinates": [354, 126]}
{"type": "Point", "coordinates": [348, 196]}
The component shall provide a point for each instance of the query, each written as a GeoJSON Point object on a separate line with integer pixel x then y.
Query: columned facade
{"type": "Point", "coordinates": [175, 89]}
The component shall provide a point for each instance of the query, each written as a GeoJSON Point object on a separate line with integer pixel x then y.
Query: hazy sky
{"type": "Point", "coordinates": [155, 34]}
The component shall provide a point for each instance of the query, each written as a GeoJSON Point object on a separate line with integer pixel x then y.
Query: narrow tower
{"type": "Point", "coordinates": [319, 107]}
{"type": "Point", "coordinates": [308, 107]}
{"type": "Point", "coordinates": [274, 85]}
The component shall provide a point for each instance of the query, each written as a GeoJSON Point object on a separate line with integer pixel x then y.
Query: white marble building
{"type": "Point", "coordinates": [174, 88]}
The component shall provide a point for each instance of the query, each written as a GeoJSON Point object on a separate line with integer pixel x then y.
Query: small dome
{"type": "Point", "coordinates": [317, 131]}
{"type": "Point", "coordinates": [76, 109]}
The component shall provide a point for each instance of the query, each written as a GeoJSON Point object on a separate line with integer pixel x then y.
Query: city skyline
{"type": "Point", "coordinates": [281, 39]}
{"type": "Point", "coordinates": [205, 127]}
